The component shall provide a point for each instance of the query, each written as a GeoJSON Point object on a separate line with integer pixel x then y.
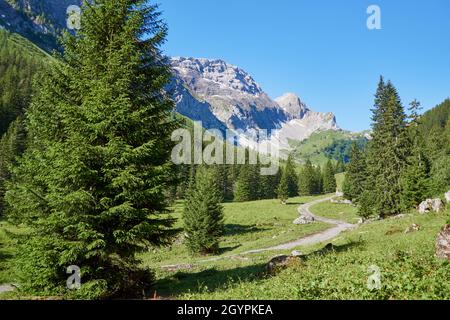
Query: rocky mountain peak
{"type": "Point", "coordinates": [218, 73]}
{"type": "Point", "coordinates": [37, 20]}
{"type": "Point", "coordinates": [225, 96]}
{"type": "Point", "coordinates": [292, 105]}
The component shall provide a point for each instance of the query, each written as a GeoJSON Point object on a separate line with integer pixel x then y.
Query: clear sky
{"type": "Point", "coordinates": [322, 50]}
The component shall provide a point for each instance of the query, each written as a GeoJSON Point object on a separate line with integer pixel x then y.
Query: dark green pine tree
{"type": "Point", "coordinates": [291, 175]}
{"type": "Point", "coordinates": [12, 145]}
{"type": "Point", "coordinates": [91, 185]}
{"type": "Point", "coordinates": [415, 179]}
{"type": "Point", "coordinates": [388, 152]}
{"type": "Point", "coordinates": [340, 166]}
{"type": "Point", "coordinates": [203, 214]}
{"type": "Point", "coordinates": [248, 183]}
{"type": "Point", "coordinates": [440, 171]}
{"type": "Point", "coordinates": [447, 136]}
{"type": "Point", "coordinates": [356, 176]}
{"type": "Point", "coordinates": [223, 177]}
{"type": "Point", "coordinates": [329, 179]}
{"type": "Point", "coordinates": [268, 185]}
{"type": "Point", "coordinates": [307, 183]}
{"type": "Point", "coordinates": [318, 180]}
{"type": "Point", "coordinates": [283, 187]}
{"type": "Point", "coordinates": [244, 184]}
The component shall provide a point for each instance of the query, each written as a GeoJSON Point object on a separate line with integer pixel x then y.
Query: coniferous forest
{"type": "Point", "coordinates": [89, 188]}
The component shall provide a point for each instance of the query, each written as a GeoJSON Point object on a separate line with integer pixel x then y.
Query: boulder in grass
{"type": "Point", "coordinates": [443, 243]}
{"type": "Point", "coordinates": [425, 206]}
{"type": "Point", "coordinates": [447, 197]}
{"type": "Point", "coordinates": [281, 262]}
{"type": "Point", "coordinates": [437, 205]}
{"type": "Point", "coordinates": [296, 253]}
{"type": "Point", "coordinates": [304, 219]}
{"type": "Point", "coordinates": [428, 205]}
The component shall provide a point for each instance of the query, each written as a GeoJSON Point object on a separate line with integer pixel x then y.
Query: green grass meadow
{"type": "Point", "coordinates": [408, 267]}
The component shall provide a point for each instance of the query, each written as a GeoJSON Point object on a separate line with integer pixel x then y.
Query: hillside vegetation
{"type": "Point", "coordinates": [324, 145]}
{"type": "Point", "coordinates": [19, 62]}
{"type": "Point", "coordinates": [408, 268]}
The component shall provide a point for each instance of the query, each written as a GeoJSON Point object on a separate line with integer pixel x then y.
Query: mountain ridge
{"type": "Point", "coordinates": [40, 21]}
{"type": "Point", "coordinates": [221, 95]}
{"type": "Point", "coordinates": [238, 102]}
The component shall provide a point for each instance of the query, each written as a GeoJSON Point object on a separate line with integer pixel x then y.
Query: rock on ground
{"type": "Point", "coordinates": [414, 227]}
{"type": "Point", "coordinates": [6, 288]}
{"type": "Point", "coordinates": [443, 243]}
{"type": "Point", "coordinates": [341, 201]}
{"type": "Point", "coordinates": [428, 205]}
{"type": "Point", "coordinates": [437, 205]}
{"type": "Point", "coordinates": [447, 197]}
{"type": "Point", "coordinates": [304, 219]}
{"type": "Point", "coordinates": [280, 262]}
{"type": "Point", "coordinates": [296, 253]}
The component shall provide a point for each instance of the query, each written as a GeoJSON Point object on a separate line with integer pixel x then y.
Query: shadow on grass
{"type": "Point", "coordinates": [212, 279]}
{"type": "Point", "coordinates": [237, 229]}
{"type": "Point", "coordinates": [5, 255]}
{"type": "Point", "coordinates": [208, 280]}
{"type": "Point", "coordinates": [226, 249]}
{"type": "Point", "coordinates": [331, 248]}
{"type": "Point", "coordinates": [294, 203]}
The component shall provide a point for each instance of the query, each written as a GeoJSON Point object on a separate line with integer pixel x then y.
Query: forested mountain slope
{"type": "Point", "coordinates": [19, 61]}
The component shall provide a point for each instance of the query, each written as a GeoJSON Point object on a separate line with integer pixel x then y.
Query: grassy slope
{"type": "Point", "coordinates": [340, 177]}
{"type": "Point", "coordinates": [314, 147]}
{"type": "Point", "coordinates": [249, 225]}
{"type": "Point", "coordinates": [8, 248]}
{"type": "Point", "coordinates": [25, 45]}
{"type": "Point", "coordinates": [408, 267]}
{"type": "Point", "coordinates": [336, 211]}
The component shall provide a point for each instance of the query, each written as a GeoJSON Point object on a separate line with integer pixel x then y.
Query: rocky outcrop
{"type": "Point", "coordinates": [217, 93]}
{"type": "Point", "coordinates": [443, 243]}
{"type": "Point", "coordinates": [304, 219]}
{"type": "Point", "coordinates": [237, 102]}
{"type": "Point", "coordinates": [38, 20]}
{"type": "Point", "coordinates": [435, 205]}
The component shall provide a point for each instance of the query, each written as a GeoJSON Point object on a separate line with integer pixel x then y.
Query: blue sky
{"type": "Point", "coordinates": [322, 49]}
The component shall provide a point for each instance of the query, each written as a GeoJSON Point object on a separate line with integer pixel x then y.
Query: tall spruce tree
{"type": "Point", "coordinates": [307, 183]}
{"type": "Point", "coordinates": [203, 214]}
{"type": "Point", "coordinates": [248, 183]}
{"type": "Point", "coordinates": [440, 171]}
{"type": "Point", "coordinates": [415, 179]}
{"type": "Point", "coordinates": [244, 185]}
{"type": "Point", "coordinates": [12, 146]}
{"type": "Point", "coordinates": [356, 175]}
{"type": "Point", "coordinates": [329, 179]}
{"type": "Point", "coordinates": [388, 152]}
{"type": "Point", "coordinates": [291, 176]}
{"type": "Point", "coordinates": [268, 185]}
{"type": "Point", "coordinates": [91, 184]}
{"type": "Point", "coordinates": [318, 180]}
{"type": "Point", "coordinates": [283, 187]}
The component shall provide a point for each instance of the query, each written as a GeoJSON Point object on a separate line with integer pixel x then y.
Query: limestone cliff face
{"type": "Point", "coordinates": [215, 92]}
{"type": "Point", "coordinates": [216, 89]}
{"type": "Point", "coordinates": [37, 20]}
